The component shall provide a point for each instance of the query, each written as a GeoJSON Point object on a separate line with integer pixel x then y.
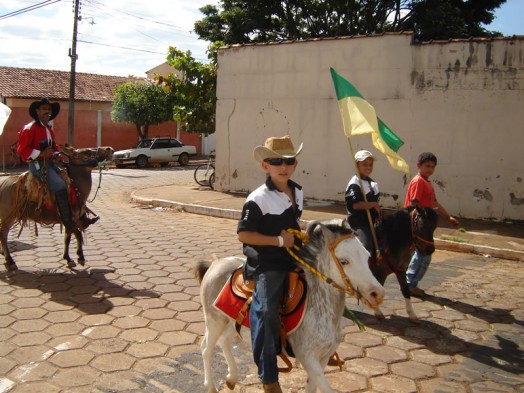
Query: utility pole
{"type": "Point", "coordinates": [72, 78]}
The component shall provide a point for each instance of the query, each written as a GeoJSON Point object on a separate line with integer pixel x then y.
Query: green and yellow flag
{"type": "Point", "coordinates": [359, 117]}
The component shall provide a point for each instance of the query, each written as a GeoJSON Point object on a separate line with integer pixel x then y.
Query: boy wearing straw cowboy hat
{"type": "Point", "coordinates": [37, 146]}
{"type": "Point", "coordinates": [268, 211]}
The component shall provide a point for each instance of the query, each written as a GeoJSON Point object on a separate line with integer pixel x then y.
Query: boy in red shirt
{"type": "Point", "coordinates": [421, 193]}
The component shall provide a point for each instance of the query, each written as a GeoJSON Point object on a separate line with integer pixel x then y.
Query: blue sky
{"type": "Point", "coordinates": [509, 18]}
{"type": "Point", "coordinates": [127, 37]}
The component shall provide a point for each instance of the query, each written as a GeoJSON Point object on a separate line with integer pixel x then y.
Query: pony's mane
{"type": "Point", "coordinates": [310, 251]}
{"type": "Point", "coordinates": [395, 229]}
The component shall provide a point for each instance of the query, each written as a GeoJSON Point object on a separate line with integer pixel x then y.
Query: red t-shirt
{"type": "Point", "coordinates": [421, 190]}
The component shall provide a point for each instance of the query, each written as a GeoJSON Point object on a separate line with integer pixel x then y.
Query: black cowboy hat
{"type": "Point", "coordinates": [55, 108]}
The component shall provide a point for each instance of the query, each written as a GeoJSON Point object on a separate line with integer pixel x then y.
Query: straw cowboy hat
{"type": "Point", "coordinates": [55, 108]}
{"type": "Point", "coordinates": [276, 148]}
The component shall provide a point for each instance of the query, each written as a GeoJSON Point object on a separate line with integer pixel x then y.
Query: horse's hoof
{"type": "Point", "coordinates": [82, 261]}
{"type": "Point", "coordinates": [11, 266]}
{"type": "Point", "coordinates": [71, 264]}
{"type": "Point", "coordinates": [231, 385]}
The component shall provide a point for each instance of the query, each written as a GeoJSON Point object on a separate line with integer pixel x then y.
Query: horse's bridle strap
{"type": "Point", "coordinates": [305, 238]}
{"type": "Point", "coordinates": [351, 291]}
{"type": "Point", "coordinates": [417, 237]}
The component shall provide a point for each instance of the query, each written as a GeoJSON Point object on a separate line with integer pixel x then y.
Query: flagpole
{"type": "Point", "coordinates": [370, 221]}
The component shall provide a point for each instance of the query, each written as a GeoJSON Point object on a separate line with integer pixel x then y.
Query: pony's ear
{"type": "Point", "coordinates": [310, 228]}
{"type": "Point", "coordinates": [326, 233]}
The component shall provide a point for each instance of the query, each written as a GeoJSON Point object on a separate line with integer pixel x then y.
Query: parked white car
{"type": "Point", "coordinates": [155, 151]}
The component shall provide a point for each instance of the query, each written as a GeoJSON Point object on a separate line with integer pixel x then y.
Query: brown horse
{"type": "Point", "coordinates": [398, 234]}
{"type": "Point", "coordinates": [23, 198]}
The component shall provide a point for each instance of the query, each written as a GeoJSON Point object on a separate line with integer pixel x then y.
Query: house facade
{"type": "Point", "coordinates": [93, 104]}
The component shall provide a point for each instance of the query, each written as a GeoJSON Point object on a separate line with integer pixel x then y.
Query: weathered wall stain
{"type": "Point", "coordinates": [440, 183]}
{"type": "Point", "coordinates": [387, 195]}
{"type": "Point", "coordinates": [483, 194]}
{"type": "Point", "coordinates": [514, 200]}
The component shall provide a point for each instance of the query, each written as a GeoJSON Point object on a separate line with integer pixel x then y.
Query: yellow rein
{"type": "Point", "coordinates": [305, 238]}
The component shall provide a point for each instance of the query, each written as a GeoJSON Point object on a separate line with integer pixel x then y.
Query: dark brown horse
{"type": "Point", "coordinates": [23, 198]}
{"type": "Point", "coordinates": [398, 234]}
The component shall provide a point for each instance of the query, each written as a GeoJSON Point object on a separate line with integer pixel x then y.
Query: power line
{"type": "Point", "coordinates": [99, 5]}
{"type": "Point", "coordinates": [27, 9]}
{"type": "Point", "coordinates": [122, 47]}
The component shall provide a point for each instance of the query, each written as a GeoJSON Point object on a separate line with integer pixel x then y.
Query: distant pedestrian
{"type": "Point", "coordinates": [421, 193]}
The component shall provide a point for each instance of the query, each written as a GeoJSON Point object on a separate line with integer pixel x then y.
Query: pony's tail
{"type": "Point", "coordinates": [201, 268]}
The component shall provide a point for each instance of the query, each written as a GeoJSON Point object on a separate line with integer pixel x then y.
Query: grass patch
{"type": "Point", "coordinates": [453, 239]}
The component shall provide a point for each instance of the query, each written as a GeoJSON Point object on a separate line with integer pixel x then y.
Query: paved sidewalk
{"type": "Point", "coordinates": [499, 240]}
{"type": "Point", "coordinates": [131, 321]}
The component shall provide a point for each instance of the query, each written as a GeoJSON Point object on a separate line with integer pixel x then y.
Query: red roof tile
{"type": "Point", "coordinates": [36, 83]}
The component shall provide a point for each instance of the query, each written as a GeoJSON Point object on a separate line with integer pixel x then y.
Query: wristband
{"type": "Point", "coordinates": [280, 241]}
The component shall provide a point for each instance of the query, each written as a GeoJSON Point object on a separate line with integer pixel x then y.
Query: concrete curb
{"type": "Point", "coordinates": [501, 253]}
{"type": "Point", "coordinates": [235, 215]}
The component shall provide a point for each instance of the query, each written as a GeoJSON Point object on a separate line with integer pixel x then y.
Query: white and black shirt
{"type": "Point", "coordinates": [269, 211]}
{"type": "Point", "coordinates": [358, 218]}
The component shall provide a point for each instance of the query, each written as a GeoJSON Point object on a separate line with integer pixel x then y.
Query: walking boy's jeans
{"type": "Point", "coordinates": [53, 180]}
{"type": "Point", "coordinates": [265, 323]}
{"type": "Point", "coordinates": [417, 268]}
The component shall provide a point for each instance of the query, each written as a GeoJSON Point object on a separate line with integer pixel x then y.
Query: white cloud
{"type": "Point", "coordinates": [117, 37]}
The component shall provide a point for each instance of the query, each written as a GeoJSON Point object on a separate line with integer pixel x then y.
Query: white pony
{"type": "Point", "coordinates": [316, 339]}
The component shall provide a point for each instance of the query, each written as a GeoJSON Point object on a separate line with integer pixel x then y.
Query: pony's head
{"type": "Point", "coordinates": [88, 156]}
{"type": "Point", "coordinates": [342, 258]}
{"type": "Point", "coordinates": [423, 224]}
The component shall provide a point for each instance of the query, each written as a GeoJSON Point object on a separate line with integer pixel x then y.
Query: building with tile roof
{"type": "Point", "coordinates": [93, 104]}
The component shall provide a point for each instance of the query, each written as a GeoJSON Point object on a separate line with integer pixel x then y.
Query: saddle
{"type": "Point", "coordinates": [33, 200]}
{"type": "Point", "coordinates": [235, 298]}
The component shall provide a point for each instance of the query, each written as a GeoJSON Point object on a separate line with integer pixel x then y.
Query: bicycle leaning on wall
{"type": "Point", "coordinates": [205, 173]}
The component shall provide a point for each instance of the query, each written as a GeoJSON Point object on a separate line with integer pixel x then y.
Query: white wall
{"type": "Point", "coordinates": [461, 100]}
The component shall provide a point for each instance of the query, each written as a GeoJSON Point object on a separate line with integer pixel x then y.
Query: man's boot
{"type": "Point", "coordinates": [272, 388]}
{"type": "Point", "coordinates": [62, 202]}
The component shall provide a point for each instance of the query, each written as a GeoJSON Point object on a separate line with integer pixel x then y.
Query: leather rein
{"type": "Point", "coordinates": [417, 238]}
{"type": "Point", "coordinates": [92, 162]}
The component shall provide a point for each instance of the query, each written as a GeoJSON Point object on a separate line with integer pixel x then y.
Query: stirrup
{"type": "Point", "coordinates": [334, 360]}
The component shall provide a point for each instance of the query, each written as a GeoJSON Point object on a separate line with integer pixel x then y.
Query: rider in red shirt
{"type": "Point", "coordinates": [37, 146]}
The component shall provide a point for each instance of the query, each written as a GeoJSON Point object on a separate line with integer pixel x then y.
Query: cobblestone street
{"type": "Point", "coordinates": [130, 320]}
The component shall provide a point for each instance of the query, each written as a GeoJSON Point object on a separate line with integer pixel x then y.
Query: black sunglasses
{"type": "Point", "coordinates": [280, 161]}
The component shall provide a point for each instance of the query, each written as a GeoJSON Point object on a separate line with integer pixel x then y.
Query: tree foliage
{"type": "Point", "coordinates": [194, 93]}
{"type": "Point", "coordinates": [246, 21]}
{"type": "Point", "coordinates": [142, 104]}
{"type": "Point", "coordinates": [445, 19]}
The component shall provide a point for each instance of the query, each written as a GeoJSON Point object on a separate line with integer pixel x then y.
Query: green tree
{"type": "Point", "coordinates": [142, 104]}
{"type": "Point", "coordinates": [246, 21]}
{"type": "Point", "coordinates": [194, 93]}
{"type": "Point", "coordinates": [445, 19]}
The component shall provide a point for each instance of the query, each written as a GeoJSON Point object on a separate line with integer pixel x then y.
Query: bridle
{"type": "Point", "coordinates": [332, 246]}
{"type": "Point", "coordinates": [417, 240]}
{"type": "Point", "coordinates": [94, 162]}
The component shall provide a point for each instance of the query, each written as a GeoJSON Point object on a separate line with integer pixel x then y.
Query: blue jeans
{"type": "Point", "coordinates": [417, 268]}
{"type": "Point", "coordinates": [54, 182]}
{"type": "Point", "coordinates": [264, 321]}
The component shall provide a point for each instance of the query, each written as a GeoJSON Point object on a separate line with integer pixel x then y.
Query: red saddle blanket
{"type": "Point", "coordinates": [231, 301]}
